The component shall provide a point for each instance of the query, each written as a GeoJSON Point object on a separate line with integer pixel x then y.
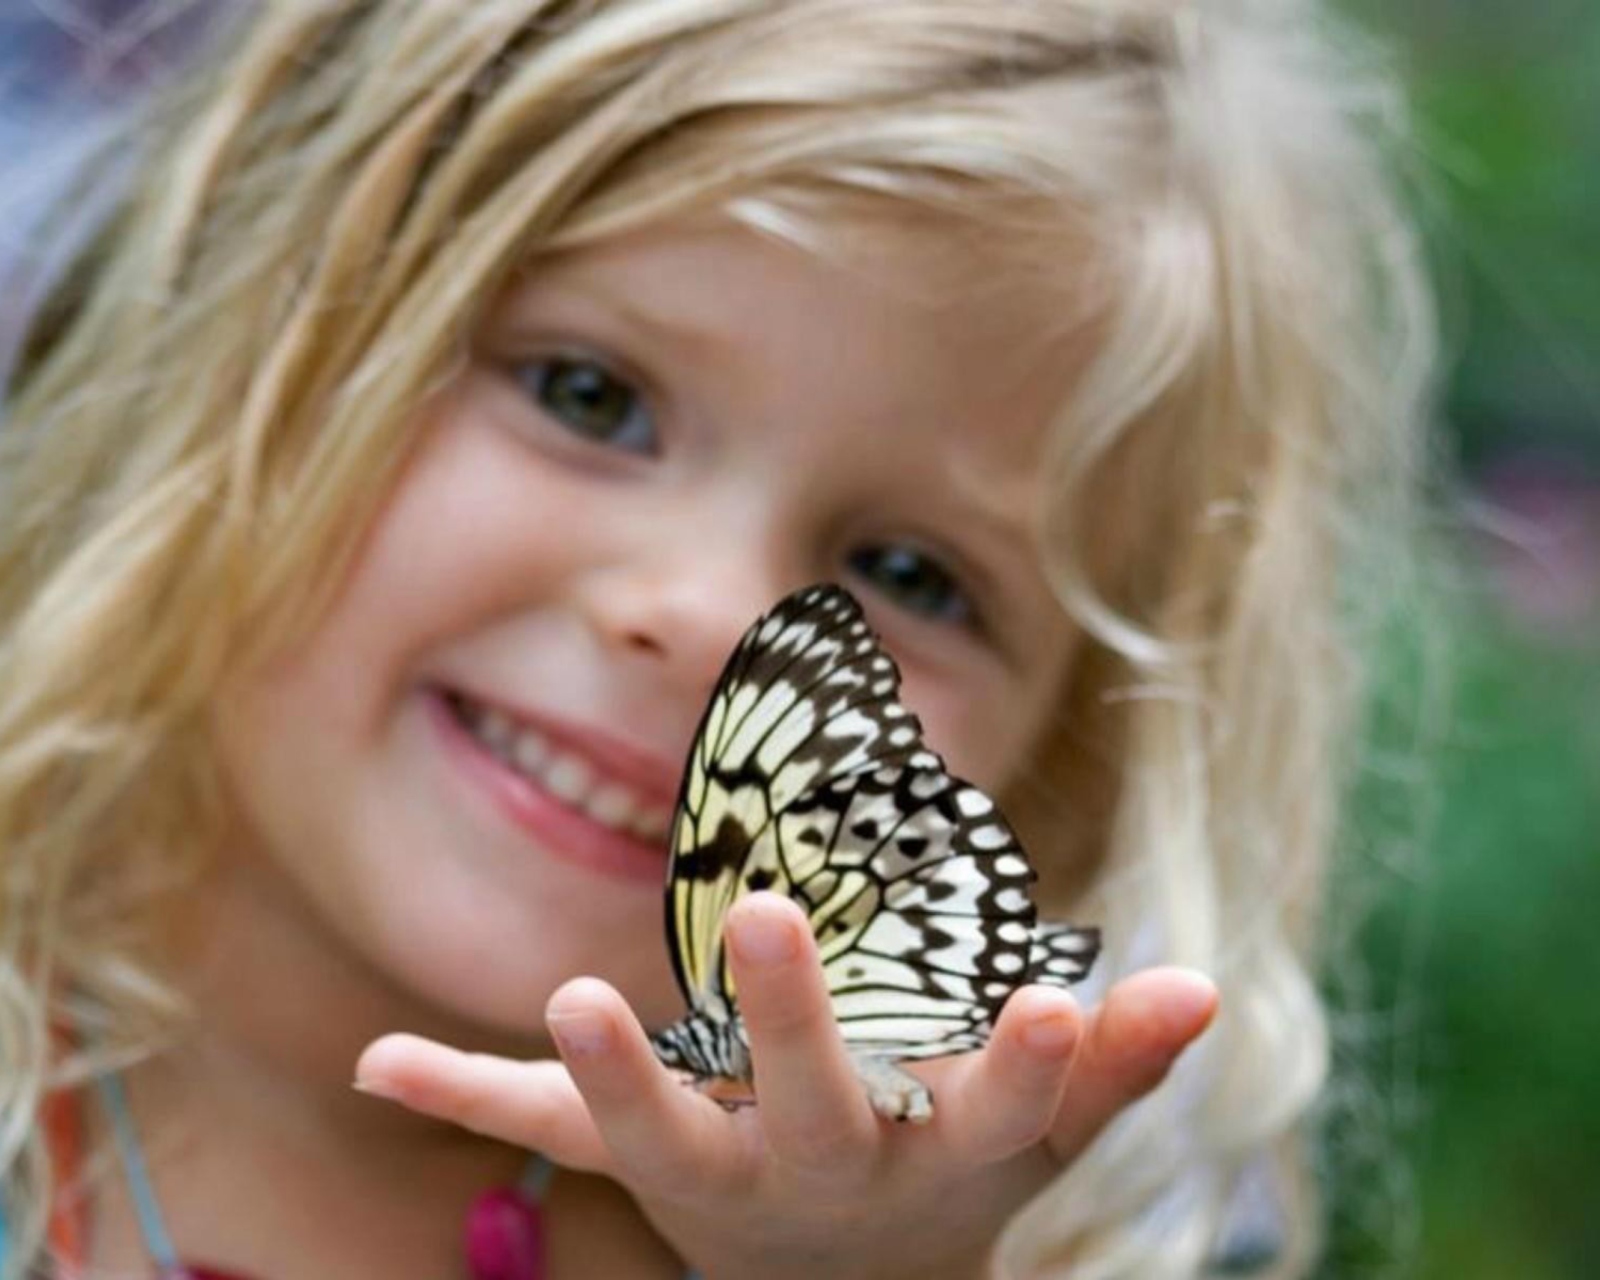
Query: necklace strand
{"type": "Point", "coordinates": [504, 1235]}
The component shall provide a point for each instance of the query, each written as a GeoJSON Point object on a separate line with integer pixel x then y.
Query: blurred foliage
{"type": "Point", "coordinates": [1463, 1129]}
{"type": "Point", "coordinates": [1465, 1133]}
{"type": "Point", "coordinates": [1509, 1146]}
{"type": "Point", "coordinates": [1507, 106]}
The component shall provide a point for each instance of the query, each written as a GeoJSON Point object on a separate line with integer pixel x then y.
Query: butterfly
{"type": "Point", "coordinates": [810, 778]}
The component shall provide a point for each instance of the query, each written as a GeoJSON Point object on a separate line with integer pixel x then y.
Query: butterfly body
{"type": "Point", "coordinates": [711, 1045]}
{"type": "Point", "coordinates": [809, 778]}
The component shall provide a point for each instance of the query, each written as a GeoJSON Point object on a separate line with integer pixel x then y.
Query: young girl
{"type": "Point", "coordinates": [388, 479]}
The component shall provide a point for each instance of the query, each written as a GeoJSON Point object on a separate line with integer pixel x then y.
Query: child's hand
{"type": "Point", "coordinates": [812, 1182]}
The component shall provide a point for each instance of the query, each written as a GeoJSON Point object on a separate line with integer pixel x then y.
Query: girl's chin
{"type": "Point", "coordinates": [498, 1001]}
{"type": "Point", "coordinates": [487, 953]}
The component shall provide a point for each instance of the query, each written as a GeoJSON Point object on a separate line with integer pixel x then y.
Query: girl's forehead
{"type": "Point", "coordinates": [916, 288]}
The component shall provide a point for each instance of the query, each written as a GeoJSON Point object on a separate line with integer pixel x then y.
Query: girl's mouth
{"type": "Point", "coordinates": [557, 794]}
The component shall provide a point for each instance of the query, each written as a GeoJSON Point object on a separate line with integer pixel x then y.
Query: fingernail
{"type": "Point", "coordinates": [1199, 999]}
{"type": "Point", "coordinates": [583, 1034]}
{"type": "Point", "coordinates": [767, 942]}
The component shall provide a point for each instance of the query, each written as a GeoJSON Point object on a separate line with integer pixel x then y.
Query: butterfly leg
{"type": "Point", "coordinates": [893, 1093]}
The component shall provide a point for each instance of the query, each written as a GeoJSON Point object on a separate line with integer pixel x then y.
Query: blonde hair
{"type": "Point", "coordinates": [218, 394]}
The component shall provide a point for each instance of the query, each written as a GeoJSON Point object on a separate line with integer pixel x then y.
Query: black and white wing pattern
{"type": "Point", "coordinates": [808, 777]}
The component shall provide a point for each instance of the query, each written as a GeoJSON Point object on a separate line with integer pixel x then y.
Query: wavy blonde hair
{"type": "Point", "coordinates": [218, 393]}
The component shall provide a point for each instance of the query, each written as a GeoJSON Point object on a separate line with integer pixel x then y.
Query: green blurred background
{"type": "Point", "coordinates": [1463, 1136]}
{"type": "Point", "coordinates": [1462, 1131]}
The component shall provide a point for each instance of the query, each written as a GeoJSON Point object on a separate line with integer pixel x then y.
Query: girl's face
{"type": "Point", "coordinates": [465, 772]}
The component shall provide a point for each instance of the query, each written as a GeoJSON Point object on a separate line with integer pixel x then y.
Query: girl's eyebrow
{"type": "Point", "coordinates": [591, 303]}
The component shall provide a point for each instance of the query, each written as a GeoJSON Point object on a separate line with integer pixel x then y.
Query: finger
{"type": "Point", "coordinates": [995, 1103]}
{"type": "Point", "coordinates": [531, 1104]}
{"type": "Point", "coordinates": [1131, 1042]}
{"type": "Point", "coordinates": [813, 1109]}
{"type": "Point", "coordinates": [662, 1136]}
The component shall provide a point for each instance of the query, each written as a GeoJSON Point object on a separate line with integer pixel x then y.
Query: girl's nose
{"type": "Point", "coordinates": [684, 618]}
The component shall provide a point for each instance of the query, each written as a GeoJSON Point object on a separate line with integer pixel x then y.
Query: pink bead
{"type": "Point", "coordinates": [505, 1237]}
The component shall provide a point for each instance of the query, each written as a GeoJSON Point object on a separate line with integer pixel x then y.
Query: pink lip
{"type": "Point", "coordinates": [648, 775]}
{"type": "Point", "coordinates": [558, 829]}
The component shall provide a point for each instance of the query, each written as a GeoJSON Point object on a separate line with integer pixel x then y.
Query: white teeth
{"type": "Point", "coordinates": [568, 777]}
{"type": "Point", "coordinates": [529, 750]}
{"type": "Point", "coordinates": [495, 728]}
{"type": "Point", "coordinates": [651, 823]}
{"type": "Point", "coordinates": [612, 805]}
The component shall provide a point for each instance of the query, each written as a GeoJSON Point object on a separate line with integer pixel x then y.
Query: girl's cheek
{"type": "Point", "coordinates": [986, 720]}
{"type": "Point", "coordinates": [965, 727]}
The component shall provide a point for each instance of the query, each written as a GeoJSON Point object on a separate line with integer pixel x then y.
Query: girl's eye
{"type": "Point", "coordinates": [913, 581]}
{"type": "Point", "coordinates": [590, 401]}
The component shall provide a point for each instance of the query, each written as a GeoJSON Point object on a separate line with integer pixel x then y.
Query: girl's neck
{"type": "Point", "coordinates": [270, 1181]}
{"type": "Point", "coordinates": [261, 1153]}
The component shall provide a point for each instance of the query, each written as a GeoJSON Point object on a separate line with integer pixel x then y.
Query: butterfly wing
{"type": "Point", "coordinates": [917, 891]}
{"type": "Point", "coordinates": [1062, 953]}
{"type": "Point", "coordinates": [810, 778]}
{"type": "Point", "coordinates": [807, 695]}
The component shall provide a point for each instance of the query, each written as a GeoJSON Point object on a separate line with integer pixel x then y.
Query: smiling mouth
{"type": "Point", "coordinates": [565, 775]}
